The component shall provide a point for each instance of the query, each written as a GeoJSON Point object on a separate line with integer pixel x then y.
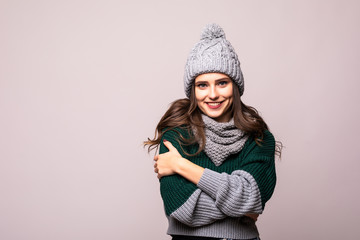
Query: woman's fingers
{"type": "Point", "coordinates": [169, 145]}
{"type": "Point", "coordinates": [155, 166]}
{"type": "Point", "coordinates": [164, 163]}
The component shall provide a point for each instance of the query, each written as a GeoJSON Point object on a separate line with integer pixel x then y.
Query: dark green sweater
{"type": "Point", "coordinates": [240, 185]}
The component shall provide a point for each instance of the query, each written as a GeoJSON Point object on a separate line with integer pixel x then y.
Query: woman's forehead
{"type": "Point", "coordinates": [210, 77]}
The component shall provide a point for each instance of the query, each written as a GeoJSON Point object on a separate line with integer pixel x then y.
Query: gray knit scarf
{"type": "Point", "coordinates": [222, 139]}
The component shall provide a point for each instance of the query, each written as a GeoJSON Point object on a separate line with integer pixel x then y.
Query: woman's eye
{"type": "Point", "coordinates": [201, 85]}
{"type": "Point", "coordinates": [222, 83]}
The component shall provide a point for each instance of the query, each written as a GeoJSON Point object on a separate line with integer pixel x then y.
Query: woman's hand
{"type": "Point", "coordinates": [167, 163]}
{"type": "Point", "coordinates": [172, 162]}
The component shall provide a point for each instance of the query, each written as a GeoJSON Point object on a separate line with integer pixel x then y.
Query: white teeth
{"type": "Point", "coordinates": [213, 104]}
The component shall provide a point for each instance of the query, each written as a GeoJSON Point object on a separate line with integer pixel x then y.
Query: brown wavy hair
{"type": "Point", "coordinates": [184, 113]}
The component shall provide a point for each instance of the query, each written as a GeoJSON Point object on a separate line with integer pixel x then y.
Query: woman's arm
{"type": "Point", "coordinates": [242, 192]}
{"type": "Point", "coordinates": [235, 194]}
{"type": "Point", "coordinates": [172, 162]}
{"type": "Point", "coordinates": [199, 209]}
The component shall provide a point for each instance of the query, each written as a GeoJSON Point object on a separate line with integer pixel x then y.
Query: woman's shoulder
{"type": "Point", "coordinates": [268, 137]}
{"type": "Point", "coordinates": [178, 136]}
{"type": "Point", "coordinates": [264, 146]}
{"type": "Point", "coordinates": [176, 132]}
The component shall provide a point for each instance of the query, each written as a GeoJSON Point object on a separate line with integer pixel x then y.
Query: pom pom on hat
{"type": "Point", "coordinates": [212, 31]}
{"type": "Point", "coordinates": [213, 53]}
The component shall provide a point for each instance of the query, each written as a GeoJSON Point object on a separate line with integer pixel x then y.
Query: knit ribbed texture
{"type": "Point", "coordinates": [234, 228]}
{"type": "Point", "coordinates": [199, 210]}
{"type": "Point", "coordinates": [235, 194]}
{"type": "Point", "coordinates": [222, 139]}
{"type": "Point", "coordinates": [213, 53]}
{"type": "Point", "coordinates": [242, 176]}
{"type": "Point", "coordinates": [220, 195]}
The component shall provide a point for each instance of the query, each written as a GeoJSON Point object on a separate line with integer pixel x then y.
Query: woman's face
{"type": "Point", "coordinates": [214, 95]}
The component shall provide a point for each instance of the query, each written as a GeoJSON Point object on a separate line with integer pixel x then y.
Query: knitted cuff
{"type": "Point", "coordinates": [209, 182]}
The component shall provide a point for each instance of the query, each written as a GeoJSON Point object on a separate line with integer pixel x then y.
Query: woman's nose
{"type": "Point", "coordinates": [213, 94]}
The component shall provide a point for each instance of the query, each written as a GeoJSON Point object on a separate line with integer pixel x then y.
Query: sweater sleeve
{"type": "Point", "coordinates": [218, 195]}
{"type": "Point", "coordinates": [245, 190]}
{"type": "Point", "coordinates": [182, 199]}
{"type": "Point", "coordinates": [199, 210]}
{"type": "Point", "coordinates": [175, 190]}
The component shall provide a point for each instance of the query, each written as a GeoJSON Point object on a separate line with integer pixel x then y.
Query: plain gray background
{"type": "Point", "coordinates": [83, 83]}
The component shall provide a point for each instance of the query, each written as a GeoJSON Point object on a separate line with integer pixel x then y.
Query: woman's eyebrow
{"type": "Point", "coordinates": [216, 80]}
{"type": "Point", "coordinates": [201, 81]}
{"type": "Point", "coordinates": [222, 79]}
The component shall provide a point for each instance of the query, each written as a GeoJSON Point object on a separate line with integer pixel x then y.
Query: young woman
{"type": "Point", "coordinates": [216, 159]}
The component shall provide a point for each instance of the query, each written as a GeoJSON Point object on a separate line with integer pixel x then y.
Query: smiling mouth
{"type": "Point", "coordinates": [214, 105]}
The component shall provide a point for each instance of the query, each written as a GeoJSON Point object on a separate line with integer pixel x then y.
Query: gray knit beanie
{"type": "Point", "coordinates": [213, 54]}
